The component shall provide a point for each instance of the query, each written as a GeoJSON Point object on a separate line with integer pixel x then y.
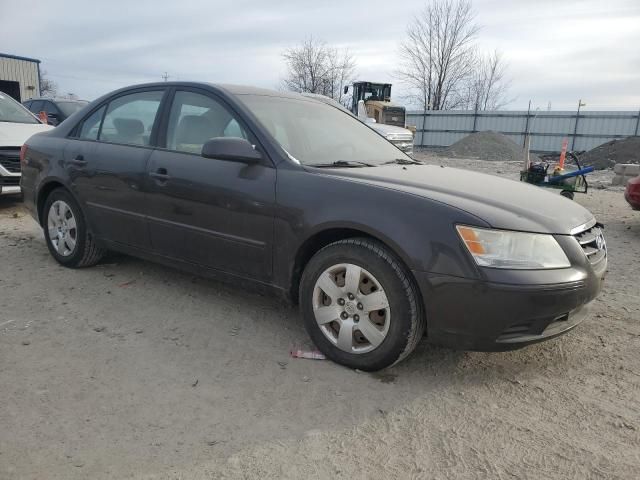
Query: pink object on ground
{"type": "Point", "coordinates": [312, 354]}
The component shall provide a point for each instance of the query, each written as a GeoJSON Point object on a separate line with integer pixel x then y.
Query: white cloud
{"type": "Point", "coordinates": [558, 51]}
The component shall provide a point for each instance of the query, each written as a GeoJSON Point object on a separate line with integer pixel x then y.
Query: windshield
{"type": "Point", "coordinates": [315, 133]}
{"type": "Point", "coordinates": [70, 107]}
{"type": "Point", "coordinates": [12, 111]}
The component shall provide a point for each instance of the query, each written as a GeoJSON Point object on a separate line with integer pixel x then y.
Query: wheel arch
{"type": "Point", "coordinates": [43, 192]}
{"type": "Point", "coordinates": [327, 234]}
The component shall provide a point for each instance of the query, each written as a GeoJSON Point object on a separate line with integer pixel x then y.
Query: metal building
{"type": "Point", "coordinates": [19, 77]}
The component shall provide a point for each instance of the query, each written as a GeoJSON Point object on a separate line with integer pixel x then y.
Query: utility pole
{"type": "Point", "coordinates": [165, 76]}
{"type": "Point", "coordinates": [526, 128]}
{"type": "Point", "coordinates": [575, 128]}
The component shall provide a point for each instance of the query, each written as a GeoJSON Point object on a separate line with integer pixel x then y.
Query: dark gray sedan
{"type": "Point", "coordinates": [297, 197]}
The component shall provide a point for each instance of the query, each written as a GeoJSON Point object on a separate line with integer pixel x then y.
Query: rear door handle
{"type": "Point", "coordinates": [78, 161]}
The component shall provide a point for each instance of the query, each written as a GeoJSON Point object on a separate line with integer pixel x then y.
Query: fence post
{"type": "Point", "coordinates": [575, 128]}
{"type": "Point", "coordinates": [475, 118]}
{"type": "Point", "coordinates": [424, 126]}
{"type": "Point", "coordinates": [526, 126]}
{"type": "Point", "coordinates": [637, 123]}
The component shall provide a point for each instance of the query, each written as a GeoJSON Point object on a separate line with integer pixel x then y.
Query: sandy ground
{"type": "Point", "coordinates": [134, 370]}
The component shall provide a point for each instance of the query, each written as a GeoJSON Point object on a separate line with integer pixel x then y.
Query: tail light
{"type": "Point", "coordinates": [23, 154]}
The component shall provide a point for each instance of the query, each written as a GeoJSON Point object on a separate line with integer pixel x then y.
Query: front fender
{"type": "Point", "coordinates": [420, 231]}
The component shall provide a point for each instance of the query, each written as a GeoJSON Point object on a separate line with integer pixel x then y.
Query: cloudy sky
{"type": "Point", "coordinates": [558, 50]}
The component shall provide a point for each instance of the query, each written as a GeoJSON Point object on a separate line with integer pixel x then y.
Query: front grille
{"type": "Point", "coordinates": [593, 244]}
{"type": "Point", "coordinates": [12, 181]}
{"type": "Point", "coordinates": [405, 145]}
{"type": "Point", "coordinates": [10, 159]}
{"type": "Point", "coordinates": [394, 116]}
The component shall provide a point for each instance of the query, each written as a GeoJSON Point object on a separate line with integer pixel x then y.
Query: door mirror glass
{"type": "Point", "coordinates": [232, 149]}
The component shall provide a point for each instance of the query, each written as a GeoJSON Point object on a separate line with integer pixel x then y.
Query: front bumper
{"type": "Point", "coordinates": [488, 316]}
{"type": "Point", "coordinates": [10, 185]}
{"type": "Point", "coordinates": [405, 145]}
{"type": "Point", "coordinates": [632, 200]}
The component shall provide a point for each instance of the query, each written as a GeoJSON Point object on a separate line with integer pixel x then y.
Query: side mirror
{"type": "Point", "coordinates": [232, 149]}
{"type": "Point", "coordinates": [346, 89]}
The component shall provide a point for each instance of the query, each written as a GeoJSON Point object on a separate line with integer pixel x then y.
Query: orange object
{"type": "Point", "coordinates": [563, 153]}
{"type": "Point", "coordinates": [43, 117]}
{"type": "Point", "coordinates": [471, 240]}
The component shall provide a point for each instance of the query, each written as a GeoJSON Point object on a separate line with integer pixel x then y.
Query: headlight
{"type": "Point", "coordinates": [513, 250]}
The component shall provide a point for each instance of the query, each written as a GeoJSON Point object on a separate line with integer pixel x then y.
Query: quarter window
{"type": "Point", "coordinates": [196, 118]}
{"type": "Point", "coordinates": [130, 118]}
{"type": "Point", "coordinates": [91, 126]}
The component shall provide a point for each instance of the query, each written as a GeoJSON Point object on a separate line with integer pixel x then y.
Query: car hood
{"type": "Point", "coordinates": [15, 134]}
{"type": "Point", "coordinates": [500, 202]}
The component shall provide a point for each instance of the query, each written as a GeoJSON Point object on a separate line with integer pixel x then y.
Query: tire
{"type": "Point", "coordinates": [85, 251]}
{"type": "Point", "coordinates": [567, 194]}
{"type": "Point", "coordinates": [400, 324]}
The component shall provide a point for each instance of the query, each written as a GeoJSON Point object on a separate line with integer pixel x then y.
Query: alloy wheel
{"type": "Point", "coordinates": [351, 308]}
{"type": "Point", "coordinates": [62, 228]}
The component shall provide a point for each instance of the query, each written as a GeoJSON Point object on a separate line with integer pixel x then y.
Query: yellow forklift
{"type": "Point", "coordinates": [377, 100]}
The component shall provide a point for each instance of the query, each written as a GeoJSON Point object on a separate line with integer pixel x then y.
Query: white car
{"type": "Point", "coordinates": [17, 124]}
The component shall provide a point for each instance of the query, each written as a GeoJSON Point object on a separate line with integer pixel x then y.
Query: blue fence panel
{"type": "Point", "coordinates": [547, 129]}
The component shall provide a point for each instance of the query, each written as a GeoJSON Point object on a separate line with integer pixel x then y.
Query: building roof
{"type": "Point", "coordinates": [16, 57]}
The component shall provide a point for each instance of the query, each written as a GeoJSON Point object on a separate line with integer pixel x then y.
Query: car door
{"type": "Point", "coordinates": [108, 161]}
{"type": "Point", "coordinates": [207, 211]}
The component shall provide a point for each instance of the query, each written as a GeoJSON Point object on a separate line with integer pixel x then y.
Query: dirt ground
{"type": "Point", "coordinates": [134, 370]}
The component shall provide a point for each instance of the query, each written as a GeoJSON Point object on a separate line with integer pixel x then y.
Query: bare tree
{"type": "Point", "coordinates": [488, 85]}
{"type": "Point", "coordinates": [47, 86]}
{"type": "Point", "coordinates": [315, 67]}
{"type": "Point", "coordinates": [438, 54]}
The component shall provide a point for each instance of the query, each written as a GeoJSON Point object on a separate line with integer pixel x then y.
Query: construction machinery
{"type": "Point", "coordinates": [377, 100]}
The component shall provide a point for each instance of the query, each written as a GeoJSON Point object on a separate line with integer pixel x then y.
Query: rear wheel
{"type": "Point", "coordinates": [66, 233]}
{"type": "Point", "coordinates": [360, 306]}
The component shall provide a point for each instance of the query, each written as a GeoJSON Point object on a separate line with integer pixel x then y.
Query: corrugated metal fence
{"type": "Point", "coordinates": [584, 130]}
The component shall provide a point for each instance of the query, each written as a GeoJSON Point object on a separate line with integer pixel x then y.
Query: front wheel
{"type": "Point", "coordinates": [66, 233]}
{"type": "Point", "coordinates": [567, 194]}
{"type": "Point", "coordinates": [360, 306]}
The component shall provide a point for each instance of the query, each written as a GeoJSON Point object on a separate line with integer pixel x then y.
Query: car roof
{"type": "Point", "coordinates": [232, 89]}
{"type": "Point", "coordinates": [54, 99]}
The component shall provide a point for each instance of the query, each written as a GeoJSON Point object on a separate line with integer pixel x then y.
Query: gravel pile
{"type": "Point", "coordinates": [626, 150]}
{"type": "Point", "coordinates": [489, 145]}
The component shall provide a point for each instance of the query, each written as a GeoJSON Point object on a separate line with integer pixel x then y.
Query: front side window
{"type": "Point", "coordinates": [130, 118]}
{"type": "Point", "coordinates": [196, 118]}
{"type": "Point", "coordinates": [91, 126]}
{"type": "Point", "coordinates": [14, 112]}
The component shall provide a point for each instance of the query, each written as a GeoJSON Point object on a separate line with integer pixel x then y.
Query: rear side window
{"type": "Point", "coordinates": [91, 126]}
{"type": "Point", "coordinates": [130, 118]}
